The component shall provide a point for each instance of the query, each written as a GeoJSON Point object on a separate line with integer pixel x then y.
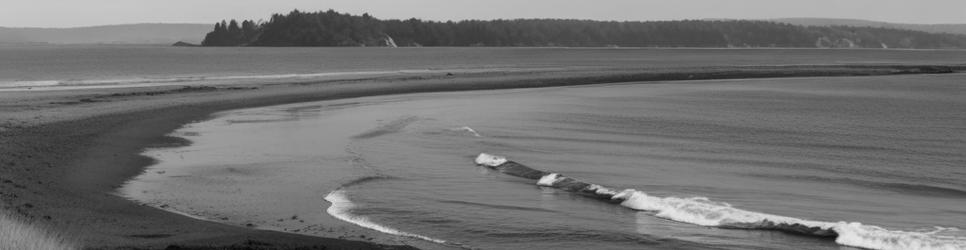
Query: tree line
{"type": "Point", "coordinates": [331, 28]}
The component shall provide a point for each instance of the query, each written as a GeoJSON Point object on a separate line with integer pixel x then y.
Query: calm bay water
{"type": "Point", "coordinates": [882, 151]}
{"type": "Point", "coordinates": [107, 65]}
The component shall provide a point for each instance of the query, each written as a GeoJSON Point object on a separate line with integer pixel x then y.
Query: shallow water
{"type": "Point", "coordinates": [883, 151]}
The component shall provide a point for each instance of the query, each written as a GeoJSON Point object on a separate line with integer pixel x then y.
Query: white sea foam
{"type": "Point", "coordinates": [702, 211]}
{"type": "Point", "coordinates": [490, 160]}
{"type": "Point", "coordinates": [601, 190]}
{"type": "Point", "coordinates": [470, 130]}
{"type": "Point", "coordinates": [341, 208]}
{"type": "Point", "coordinates": [549, 180]}
{"type": "Point", "coordinates": [873, 237]}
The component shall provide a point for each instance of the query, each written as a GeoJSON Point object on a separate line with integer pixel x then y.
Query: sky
{"type": "Point", "coordinates": [74, 13]}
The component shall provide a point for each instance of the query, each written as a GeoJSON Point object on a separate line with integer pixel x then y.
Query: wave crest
{"type": "Point", "coordinates": [470, 130]}
{"type": "Point", "coordinates": [341, 209]}
{"type": "Point", "coordinates": [856, 234]}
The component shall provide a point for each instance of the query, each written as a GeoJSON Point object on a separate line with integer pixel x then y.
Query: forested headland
{"type": "Point", "coordinates": [331, 28]}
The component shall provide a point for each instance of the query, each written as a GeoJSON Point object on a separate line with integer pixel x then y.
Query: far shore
{"type": "Point", "coordinates": [64, 152]}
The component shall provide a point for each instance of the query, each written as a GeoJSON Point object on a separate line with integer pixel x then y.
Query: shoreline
{"type": "Point", "coordinates": [63, 153]}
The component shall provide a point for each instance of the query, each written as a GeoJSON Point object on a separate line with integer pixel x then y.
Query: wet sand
{"type": "Point", "coordinates": [64, 153]}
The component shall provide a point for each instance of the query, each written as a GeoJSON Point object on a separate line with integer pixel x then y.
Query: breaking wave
{"type": "Point", "coordinates": [468, 130]}
{"type": "Point", "coordinates": [341, 208]}
{"type": "Point", "coordinates": [705, 212]}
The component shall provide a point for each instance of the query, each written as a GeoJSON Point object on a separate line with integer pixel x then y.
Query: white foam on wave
{"type": "Point", "coordinates": [856, 234]}
{"type": "Point", "coordinates": [700, 210]}
{"type": "Point", "coordinates": [601, 190]}
{"type": "Point", "coordinates": [704, 212]}
{"type": "Point", "coordinates": [341, 208]}
{"type": "Point", "coordinates": [548, 180]}
{"type": "Point", "coordinates": [490, 160]}
{"type": "Point", "coordinates": [470, 130]}
{"type": "Point", "coordinates": [553, 178]}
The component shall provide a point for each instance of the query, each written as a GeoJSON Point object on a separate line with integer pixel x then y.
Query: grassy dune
{"type": "Point", "coordinates": [15, 234]}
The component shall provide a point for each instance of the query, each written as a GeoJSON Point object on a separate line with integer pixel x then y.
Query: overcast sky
{"type": "Point", "coordinates": [71, 13]}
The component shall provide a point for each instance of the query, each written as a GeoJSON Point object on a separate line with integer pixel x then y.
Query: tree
{"type": "Point", "coordinates": [331, 28]}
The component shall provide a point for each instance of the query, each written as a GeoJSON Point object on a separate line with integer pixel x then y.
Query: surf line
{"type": "Point", "coordinates": [704, 212]}
{"type": "Point", "coordinates": [340, 207]}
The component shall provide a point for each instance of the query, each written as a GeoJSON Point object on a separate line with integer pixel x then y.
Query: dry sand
{"type": "Point", "coordinates": [63, 153]}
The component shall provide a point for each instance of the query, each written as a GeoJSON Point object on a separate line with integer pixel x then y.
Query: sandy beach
{"type": "Point", "coordinates": [63, 153]}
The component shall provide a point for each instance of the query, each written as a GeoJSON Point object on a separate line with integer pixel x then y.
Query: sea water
{"type": "Point", "coordinates": [45, 67]}
{"type": "Point", "coordinates": [882, 160]}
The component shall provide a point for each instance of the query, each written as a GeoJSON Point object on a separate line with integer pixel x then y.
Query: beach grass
{"type": "Point", "coordinates": [18, 234]}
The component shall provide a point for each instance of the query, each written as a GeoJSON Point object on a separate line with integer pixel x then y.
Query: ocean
{"type": "Point", "coordinates": [721, 164]}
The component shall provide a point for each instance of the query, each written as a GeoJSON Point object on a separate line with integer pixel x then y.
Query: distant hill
{"type": "Point", "coordinates": [933, 28]}
{"type": "Point", "coordinates": [148, 33]}
{"type": "Point", "coordinates": [331, 28]}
